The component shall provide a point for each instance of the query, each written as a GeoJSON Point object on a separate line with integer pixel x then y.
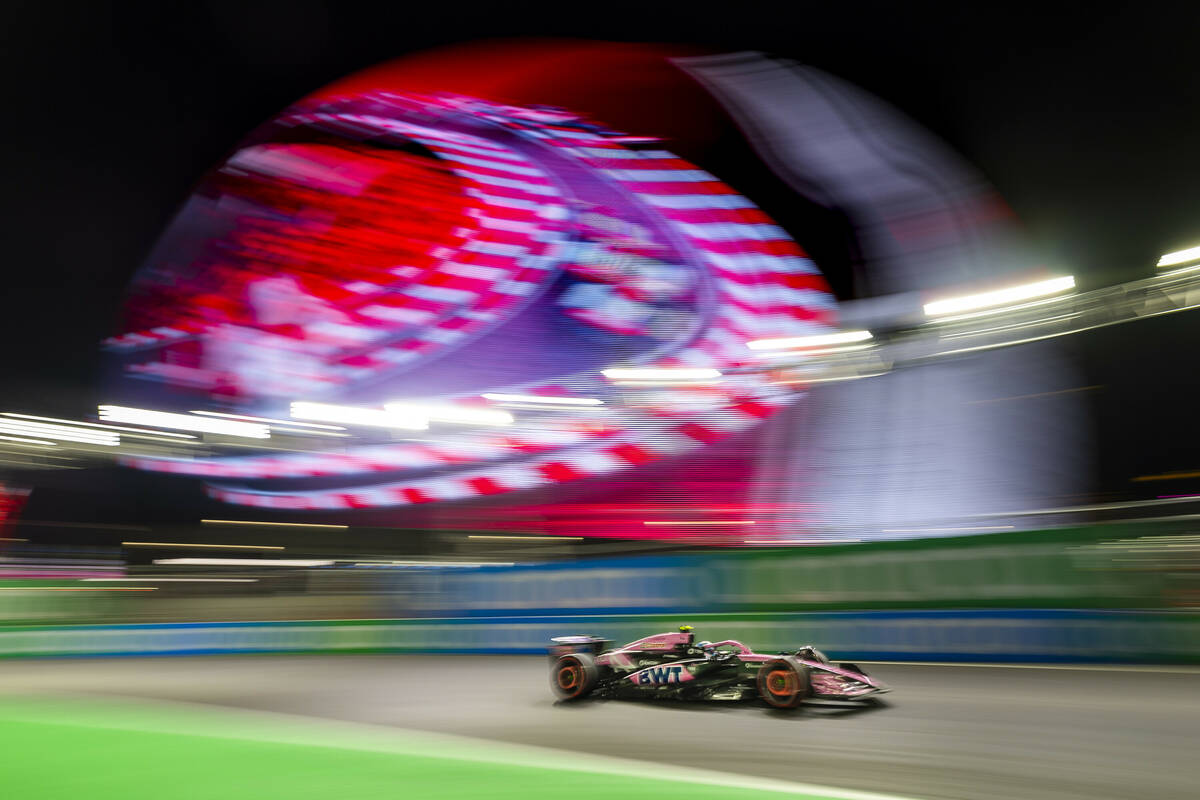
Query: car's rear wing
{"type": "Point", "coordinates": [595, 645]}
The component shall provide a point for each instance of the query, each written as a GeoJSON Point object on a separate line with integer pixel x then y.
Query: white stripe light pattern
{"type": "Point", "coordinates": [748, 264]}
{"type": "Point", "coordinates": [999, 297]}
{"type": "Point", "coordinates": [64, 433]}
{"type": "Point", "coordinates": [23, 440]}
{"type": "Point", "coordinates": [185, 422]}
{"type": "Point", "coordinates": [102, 427]}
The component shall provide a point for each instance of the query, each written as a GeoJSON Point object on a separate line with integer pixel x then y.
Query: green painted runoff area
{"type": "Point", "coordinates": [52, 749]}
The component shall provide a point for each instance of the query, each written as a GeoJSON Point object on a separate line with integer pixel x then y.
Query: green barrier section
{"type": "Point", "coordinates": [1015, 636]}
{"type": "Point", "coordinates": [1128, 565]}
{"type": "Point", "coordinates": [44, 599]}
{"type": "Point", "coordinates": [1102, 566]}
{"type": "Point", "coordinates": [54, 750]}
{"type": "Point", "coordinates": [1060, 568]}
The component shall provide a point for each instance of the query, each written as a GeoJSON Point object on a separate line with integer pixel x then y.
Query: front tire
{"type": "Point", "coordinates": [574, 676]}
{"type": "Point", "coordinates": [783, 683]}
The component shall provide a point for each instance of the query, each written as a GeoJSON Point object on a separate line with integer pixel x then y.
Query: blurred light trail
{"type": "Point", "coordinates": [213, 546]}
{"type": "Point", "coordinates": [547, 538]}
{"type": "Point", "coordinates": [59, 432]}
{"type": "Point", "coordinates": [1180, 257]}
{"type": "Point", "coordinates": [541, 398]}
{"type": "Point", "coordinates": [163, 419]}
{"type": "Point", "coordinates": [1036, 395]}
{"type": "Point", "coordinates": [816, 340]}
{"type": "Point", "coordinates": [448, 412]}
{"type": "Point", "coordinates": [102, 427]}
{"type": "Point", "coordinates": [702, 522]}
{"type": "Point", "coordinates": [838, 379]}
{"type": "Point", "coordinates": [1003, 310]}
{"type": "Point", "coordinates": [969, 529]}
{"type": "Point", "coordinates": [272, 524]}
{"type": "Point", "coordinates": [55, 523]}
{"type": "Point", "coordinates": [1118, 506]}
{"type": "Point", "coordinates": [308, 432]}
{"type": "Point", "coordinates": [350, 415]}
{"type": "Point", "coordinates": [791, 542]}
{"type": "Point", "coordinates": [245, 562]}
{"type": "Point", "coordinates": [999, 297]}
{"type": "Point", "coordinates": [22, 440]}
{"type": "Point", "coordinates": [470, 564]}
{"type": "Point", "coordinates": [171, 580]}
{"type": "Point", "coordinates": [1173, 274]}
{"type": "Point", "coordinates": [190, 440]}
{"type": "Point", "coordinates": [666, 375]}
{"type": "Point", "coordinates": [35, 464]}
{"type": "Point", "coordinates": [291, 422]}
{"type": "Point", "coordinates": [1168, 476]}
{"type": "Point", "coordinates": [78, 588]}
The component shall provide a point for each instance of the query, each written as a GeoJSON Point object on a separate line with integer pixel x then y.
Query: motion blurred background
{"type": "Point", "coordinates": [336, 329]}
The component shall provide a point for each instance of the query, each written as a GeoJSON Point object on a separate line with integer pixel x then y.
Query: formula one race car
{"type": "Point", "coordinates": [674, 665]}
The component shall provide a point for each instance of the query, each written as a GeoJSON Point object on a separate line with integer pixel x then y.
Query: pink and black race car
{"type": "Point", "coordinates": [675, 665]}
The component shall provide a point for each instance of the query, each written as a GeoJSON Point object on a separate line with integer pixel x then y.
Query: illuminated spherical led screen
{"type": "Point", "coordinates": [556, 300]}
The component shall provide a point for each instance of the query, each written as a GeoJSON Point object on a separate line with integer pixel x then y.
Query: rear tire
{"type": "Point", "coordinates": [783, 683]}
{"type": "Point", "coordinates": [574, 676]}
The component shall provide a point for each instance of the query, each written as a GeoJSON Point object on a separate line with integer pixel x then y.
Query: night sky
{"type": "Point", "coordinates": [1086, 121]}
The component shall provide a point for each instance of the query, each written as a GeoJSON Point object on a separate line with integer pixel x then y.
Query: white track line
{"type": "Point", "coordinates": [183, 718]}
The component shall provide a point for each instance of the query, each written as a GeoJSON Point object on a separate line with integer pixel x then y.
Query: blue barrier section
{"type": "Point", "coordinates": [1009, 636]}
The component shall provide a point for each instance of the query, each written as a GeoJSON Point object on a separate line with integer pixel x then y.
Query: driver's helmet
{"type": "Point", "coordinates": [704, 645]}
{"type": "Point", "coordinates": [813, 654]}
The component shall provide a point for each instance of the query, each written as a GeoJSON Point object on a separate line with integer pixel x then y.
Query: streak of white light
{"type": "Point", "coordinates": [204, 546]}
{"type": "Point", "coordinates": [165, 419]}
{"type": "Point", "coordinates": [816, 340]}
{"type": "Point", "coordinates": [1179, 257]}
{"type": "Point", "coordinates": [270, 420]}
{"type": "Point", "coordinates": [102, 427]}
{"type": "Point", "coordinates": [538, 398]}
{"type": "Point", "coordinates": [59, 432]}
{"type": "Point", "coordinates": [668, 374]}
{"type": "Point", "coordinates": [27, 441]}
{"type": "Point", "coordinates": [999, 297]}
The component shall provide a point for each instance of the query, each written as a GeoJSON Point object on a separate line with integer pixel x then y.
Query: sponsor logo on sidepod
{"type": "Point", "coordinates": [657, 676]}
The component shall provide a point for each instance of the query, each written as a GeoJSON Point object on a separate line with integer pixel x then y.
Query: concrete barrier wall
{"type": "Point", "coordinates": [1010, 636]}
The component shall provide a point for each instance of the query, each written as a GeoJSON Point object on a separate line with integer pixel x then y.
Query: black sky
{"type": "Point", "coordinates": [1086, 118]}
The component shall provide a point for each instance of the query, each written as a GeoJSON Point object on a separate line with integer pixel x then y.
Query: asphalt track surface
{"type": "Point", "coordinates": [945, 732]}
